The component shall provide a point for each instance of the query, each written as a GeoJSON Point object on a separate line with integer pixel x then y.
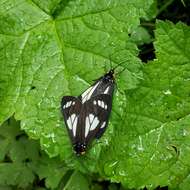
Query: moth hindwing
{"type": "Point", "coordinates": [86, 116]}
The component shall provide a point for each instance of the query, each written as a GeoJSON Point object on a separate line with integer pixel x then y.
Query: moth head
{"type": "Point", "coordinates": [111, 72]}
{"type": "Point", "coordinates": [109, 77]}
{"type": "Point", "coordinates": [79, 148]}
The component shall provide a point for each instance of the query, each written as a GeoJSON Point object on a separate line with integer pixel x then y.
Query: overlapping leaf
{"type": "Point", "coordinates": [22, 160]}
{"type": "Point", "coordinates": [151, 143]}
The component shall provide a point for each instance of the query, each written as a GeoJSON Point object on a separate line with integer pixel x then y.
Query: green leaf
{"type": "Point", "coordinates": [151, 140]}
{"type": "Point", "coordinates": [12, 174]}
{"type": "Point", "coordinates": [13, 156]}
{"type": "Point", "coordinates": [51, 169]}
{"type": "Point", "coordinates": [59, 51]}
{"type": "Point", "coordinates": [17, 18]}
{"type": "Point", "coordinates": [8, 134]}
{"type": "Point", "coordinates": [22, 157]}
{"type": "Point", "coordinates": [141, 36]}
{"type": "Point", "coordinates": [49, 6]}
{"type": "Point", "coordinates": [77, 181]}
{"type": "Point", "coordinates": [5, 187]}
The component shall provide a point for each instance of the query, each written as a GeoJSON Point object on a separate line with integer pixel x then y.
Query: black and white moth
{"type": "Point", "coordinates": [86, 116]}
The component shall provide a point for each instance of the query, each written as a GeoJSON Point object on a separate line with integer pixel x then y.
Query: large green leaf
{"type": "Point", "coordinates": [151, 139]}
{"type": "Point", "coordinates": [53, 48]}
{"type": "Point", "coordinates": [59, 51]}
{"type": "Point", "coordinates": [22, 160]}
{"type": "Point", "coordinates": [49, 6]}
{"type": "Point", "coordinates": [77, 181]}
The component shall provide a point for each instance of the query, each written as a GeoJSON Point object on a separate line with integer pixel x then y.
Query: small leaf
{"type": "Point", "coordinates": [141, 36]}
{"type": "Point", "coordinates": [77, 181]}
{"type": "Point", "coordinates": [15, 172]}
{"type": "Point", "coordinates": [23, 157]}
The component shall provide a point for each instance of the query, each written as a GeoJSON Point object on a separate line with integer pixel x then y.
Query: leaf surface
{"type": "Point", "coordinates": [20, 157]}
{"type": "Point", "coordinates": [152, 136]}
{"type": "Point", "coordinates": [53, 48]}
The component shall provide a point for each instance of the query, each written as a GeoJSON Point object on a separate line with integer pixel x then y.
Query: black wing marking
{"type": "Point", "coordinates": [71, 108]}
{"type": "Point", "coordinates": [95, 116]}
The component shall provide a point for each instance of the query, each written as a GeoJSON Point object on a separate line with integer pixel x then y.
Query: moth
{"type": "Point", "coordinates": [86, 116]}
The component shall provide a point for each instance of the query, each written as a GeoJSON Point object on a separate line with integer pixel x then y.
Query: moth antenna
{"type": "Point", "coordinates": [110, 62]}
{"type": "Point", "coordinates": [119, 64]}
{"type": "Point", "coordinates": [121, 71]}
{"type": "Point", "coordinates": [105, 69]}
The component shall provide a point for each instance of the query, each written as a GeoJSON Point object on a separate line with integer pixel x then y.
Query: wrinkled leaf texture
{"type": "Point", "coordinates": [44, 57]}
{"type": "Point", "coordinates": [53, 48]}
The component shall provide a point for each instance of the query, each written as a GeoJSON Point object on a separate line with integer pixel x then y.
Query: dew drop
{"type": "Point", "coordinates": [167, 92]}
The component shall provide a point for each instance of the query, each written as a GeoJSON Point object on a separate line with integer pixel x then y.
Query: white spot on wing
{"type": "Point", "coordinates": [75, 126]}
{"type": "Point", "coordinates": [72, 123]}
{"type": "Point", "coordinates": [68, 104]}
{"type": "Point", "coordinates": [91, 123]}
{"type": "Point", "coordinates": [91, 117]}
{"type": "Point", "coordinates": [99, 103]}
{"type": "Point", "coordinates": [87, 126]}
{"type": "Point", "coordinates": [94, 124]}
{"type": "Point", "coordinates": [102, 104]}
{"type": "Point", "coordinates": [94, 102]}
{"type": "Point", "coordinates": [88, 93]}
{"type": "Point", "coordinates": [85, 94]}
{"type": "Point", "coordinates": [69, 123]}
{"type": "Point", "coordinates": [91, 92]}
{"type": "Point", "coordinates": [106, 90]}
{"type": "Point", "coordinates": [73, 117]}
{"type": "Point", "coordinates": [103, 125]}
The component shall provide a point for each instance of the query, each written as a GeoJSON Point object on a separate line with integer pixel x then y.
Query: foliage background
{"type": "Point", "coordinates": [53, 48]}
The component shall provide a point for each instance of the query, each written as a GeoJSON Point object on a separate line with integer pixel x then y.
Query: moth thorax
{"type": "Point", "coordinates": [79, 148]}
{"type": "Point", "coordinates": [109, 77]}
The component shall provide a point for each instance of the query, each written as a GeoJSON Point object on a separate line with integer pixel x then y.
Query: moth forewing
{"type": "Point", "coordinates": [71, 107]}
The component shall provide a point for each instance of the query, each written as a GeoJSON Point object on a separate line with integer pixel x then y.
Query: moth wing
{"type": "Point", "coordinates": [89, 92]}
{"type": "Point", "coordinates": [71, 108]}
{"type": "Point", "coordinates": [98, 88]}
{"type": "Point", "coordinates": [96, 112]}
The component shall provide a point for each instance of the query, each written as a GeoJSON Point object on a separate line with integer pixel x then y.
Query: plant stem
{"type": "Point", "coordinates": [164, 6]}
